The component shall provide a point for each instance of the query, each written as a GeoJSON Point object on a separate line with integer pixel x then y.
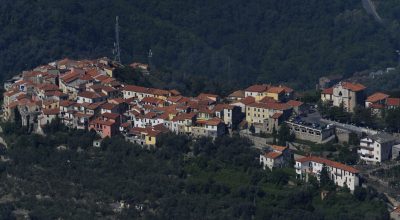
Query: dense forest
{"type": "Point", "coordinates": [62, 177]}
{"type": "Point", "coordinates": [233, 43]}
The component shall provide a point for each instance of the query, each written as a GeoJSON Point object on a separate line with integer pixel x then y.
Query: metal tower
{"type": "Point", "coordinates": [117, 50]}
{"type": "Point", "coordinates": [149, 56]}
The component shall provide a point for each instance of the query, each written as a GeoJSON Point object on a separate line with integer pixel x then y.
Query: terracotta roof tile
{"type": "Point", "coordinates": [328, 163]}
{"type": "Point", "coordinates": [275, 89]}
{"type": "Point", "coordinates": [257, 88]}
{"type": "Point", "coordinates": [328, 91]}
{"type": "Point", "coordinates": [355, 87]}
{"type": "Point", "coordinates": [279, 148]}
{"type": "Point", "coordinates": [273, 155]}
{"type": "Point", "coordinates": [294, 103]}
{"type": "Point", "coordinates": [248, 100]}
{"type": "Point", "coordinates": [376, 97]}
{"type": "Point", "coordinates": [133, 88]}
{"type": "Point", "coordinates": [237, 94]}
{"type": "Point", "coordinates": [393, 101]}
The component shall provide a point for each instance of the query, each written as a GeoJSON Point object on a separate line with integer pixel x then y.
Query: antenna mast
{"type": "Point", "coordinates": [117, 50]}
{"type": "Point", "coordinates": [150, 55]}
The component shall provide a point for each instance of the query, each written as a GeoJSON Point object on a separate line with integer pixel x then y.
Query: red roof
{"type": "Point", "coordinates": [267, 99]}
{"type": "Point", "coordinates": [159, 92]}
{"type": "Point", "coordinates": [214, 122]}
{"type": "Point", "coordinates": [355, 87]}
{"type": "Point", "coordinates": [393, 101]}
{"type": "Point", "coordinates": [66, 103]}
{"type": "Point", "coordinates": [294, 103]}
{"type": "Point", "coordinates": [102, 122]}
{"type": "Point", "coordinates": [174, 99]}
{"type": "Point", "coordinates": [133, 88]}
{"type": "Point", "coordinates": [117, 100]}
{"type": "Point", "coordinates": [257, 88]}
{"type": "Point", "coordinates": [279, 148]}
{"type": "Point", "coordinates": [376, 106]}
{"type": "Point", "coordinates": [150, 115]}
{"type": "Point", "coordinates": [376, 97]}
{"type": "Point", "coordinates": [89, 95]}
{"type": "Point", "coordinates": [48, 87]}
{"type": "Point", "coordinates": [328, 163]}
{"type": "Point", "coordinates": [70, 76]}
{"type": "Point", "coordinates": [55, 93]}
{"type": "Point", "coordinates": [184, 116]}
{"type": "Point", "coordinates": [276, 115]}
{"type": "Point", "coordinates": [275, 89]}
{"type": "Point", "coordinates": [237, 94]}
{"type": "Point", "coordinates": [328, 91]}
{"type": "Point", "coordinates": [152, 100]}
{"type": "Point", "coordinates": [174, 92]}
{"type": "Point", "coordinates": [108, 106]}
{"type": "Point", "coordinates": [126, 124]}
{"type": "Point", "coordinates": [273, 155]}
{"type": "Point", "coordinates": [286, 89]}
{"type": "Point", "coordinates": [220, 107]}
{"type": "Point", "coordinates": [53, 111]}
{"type": "Point", "coordinates": [110, 115]}
{"type": "Point", "coordinates": [207, 95]}
{"type": "Point", "coordinates": [248, 100]}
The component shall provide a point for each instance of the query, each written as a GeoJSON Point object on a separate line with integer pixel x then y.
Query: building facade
{"type": "Point", "coordinates": [376, 148]}
{"type": "Point", "coordinates": [342, 175]}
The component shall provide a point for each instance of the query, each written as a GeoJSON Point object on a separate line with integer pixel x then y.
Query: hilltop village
{"type": "Point", "coordinates": [84, 94]}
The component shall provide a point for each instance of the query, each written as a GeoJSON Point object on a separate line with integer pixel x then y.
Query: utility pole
{"type": "Point", "coordinates": [117, 50]}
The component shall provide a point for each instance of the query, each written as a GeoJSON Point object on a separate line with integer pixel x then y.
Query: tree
{"type": "Point", "coordinates": [325, 180]}
{"type": "Point", "coordinates": [274, 135]}
{"type": "Point", "coordinates": [17, 117]}
{"type": "Point", "coordinates": [392, 119]}
{"type": "Point", "coordinates": [285, 135]}
{"type": "Point", "coordinates": [353, 139]}
{"type": "Point", "coordinates": [360, 193]}
{"type": "Point", "coordinates": [252, 129]}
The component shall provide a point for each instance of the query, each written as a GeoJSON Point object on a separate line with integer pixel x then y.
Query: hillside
{"type": "Point", "coordinates": [179, 179]}
{"type": "Point", "coordinates": [234, 42]}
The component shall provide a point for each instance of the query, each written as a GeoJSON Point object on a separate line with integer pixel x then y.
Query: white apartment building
{"type": "Point", "coordinates": [279, 156]}
{"type": "Point", "coordinates": [339, 173]}
{"type": "Point", "coordinates": [272, 160]}
{"type": "Point", "coordinates": [376, 148]}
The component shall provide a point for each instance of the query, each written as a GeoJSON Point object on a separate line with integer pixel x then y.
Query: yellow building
{"type": "Point", "coordinates": [258, 112]}
{"type": "Point", "coordinates": [326, 95]}
{"type": "Point", "coordinates": [256, 91]}
{"type": "Point", "coordinates": [277, 93]}
{"type": "Point", "coordinates": [151, 137]}
{"type": "Point", "coordinates": [109, 71]}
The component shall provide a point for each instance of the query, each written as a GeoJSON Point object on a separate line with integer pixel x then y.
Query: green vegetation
{"type": "Point", "coordinates": [389, 175]}
{"type": "Point", "coordinates": [59, 176]}
{"type": "Point", "coordinates": [231, 44]}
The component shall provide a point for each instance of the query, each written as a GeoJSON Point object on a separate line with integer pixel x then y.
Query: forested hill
{"type": "Point", "coordinates": [236, 41]}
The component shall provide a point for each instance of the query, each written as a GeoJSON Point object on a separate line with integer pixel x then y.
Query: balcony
{"type": "Point", "coordinates": [370, 148]}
